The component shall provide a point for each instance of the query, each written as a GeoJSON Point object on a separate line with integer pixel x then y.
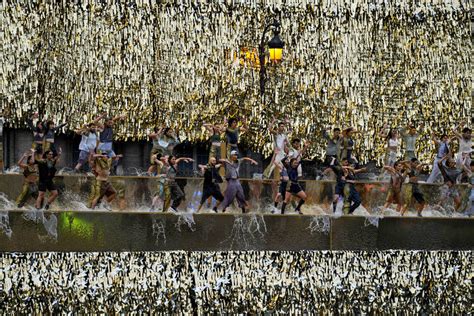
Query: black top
{"type": "Point", "coordinates": [339, 174]}
{"type": "Point", "coordinates": [46, 169]}
{"type": "Point", "coordinates": [211, 176]}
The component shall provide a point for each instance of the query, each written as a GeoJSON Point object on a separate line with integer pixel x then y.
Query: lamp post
{"type": "Point", "coordinates": [275, 46]}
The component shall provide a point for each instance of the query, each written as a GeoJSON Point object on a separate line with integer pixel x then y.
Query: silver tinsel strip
{"type": "Point", "coordinates": [346, 62]}
{"type": "Point", "coordinates": [237, 282]}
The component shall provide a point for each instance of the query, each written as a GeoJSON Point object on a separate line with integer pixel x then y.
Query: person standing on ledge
{"type": "Point", "coordinates": [450, 175]}
{"type": "Point", "coordinates": [465, 146]}
{"type": "Point", "coordinates": [30, 184]}
{"type": "Point", "coordinates": [88, 142]}
{"type": "Point", "coordinates": [280, 144]}
{"type": "Point", "coordinates": [47, 171]}
{"type": "Point", "coordinates": [409, 140]}
{"type": "Point", "coordinates": [413, 191]}
{"type": "Point", "coordinates": [103, 187]}
{"type": "Point", "coordinates": [333, 146]}
{"type": "Point", "coordinates": [397, 177]}
{"type": "Point", "coordinates": [106, 137]}
{"type": "Point", "coordinates": [234, 187]}
{"type": "Point", "coordinates": [39, 131]}
{"type": "Point", "coordinates": [211, 183]}
{"type": "Point", "coordinates": [352, 198]}
{"type": "Point", "coordinates": [232, 132]}
{"type": "Point", "coordinates": [295, 188]}
{"type": "Point", "coordinates": [172, 191]}
{"type": "Point", "coordinates": [49, 135]}
{"type": "Point", "coordinates": [347, 146]}
{"type": "Point", "coordinates": [443, 150]}
{"type": "Point", "coordinates": [392, 145]}
{"type": "Point", "coordinates": [215, 139]}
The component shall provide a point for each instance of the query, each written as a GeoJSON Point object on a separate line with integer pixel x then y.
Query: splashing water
{"type": "Point", "coordinates": [185, 219]}
{"type": "Point", "coordinates": [5, 224]}
{"type": "Point", "coordinates": [319, 224]}
{"type": "Point", "coordinates": [159, 231]}
{"type": "Point", "coordinates": [65, 170]}
{"type": "Point", "coordinates": [5, 203]}
{"type": "Point", "coordinates": [247, 230]}
{"type": "Point", "coordinates": [13, 170]}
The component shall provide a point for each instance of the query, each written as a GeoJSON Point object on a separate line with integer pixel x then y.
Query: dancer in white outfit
{"type": "Point", "coordinates": [443, 150]}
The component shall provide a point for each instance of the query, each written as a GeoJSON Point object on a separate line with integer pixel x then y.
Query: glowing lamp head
{"type": "Point", "coordinates": [275, 46]}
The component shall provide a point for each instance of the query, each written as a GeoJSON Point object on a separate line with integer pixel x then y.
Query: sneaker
{"type": "Point", "coordinates": [46, 207]}
{"type": "Point", "coordinates": [172, 210]}
{"type": "Point", "coordinates": [106, 206]}
{"type": "Point", "coordinates": [214, 209]}
{"type": "Point", "coordinates": [298, 212]}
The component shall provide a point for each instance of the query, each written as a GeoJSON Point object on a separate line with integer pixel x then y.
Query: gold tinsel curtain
{"type": "Point", "coordinates": [359, 63]}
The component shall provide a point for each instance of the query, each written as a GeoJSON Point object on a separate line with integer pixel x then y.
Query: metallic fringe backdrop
{"type": "Point", "coordinates": [438, 282]}
{"type": "Point", "coordinates": [346, 62]}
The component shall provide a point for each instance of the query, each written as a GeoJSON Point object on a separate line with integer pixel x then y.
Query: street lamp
{"type": "Point", "coordinates": [275, 46]}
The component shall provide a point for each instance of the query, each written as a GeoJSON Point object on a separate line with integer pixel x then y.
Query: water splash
{"type": "Point", "coordinates": [159, 230]}
{"type": "Point", "coordinates": [5, 224]}
{"type": "Point", "coordinates": [13, 170]}
{"type": "Point", "coordinates": [6, 203]}
{"type": "Point", "coordinates": [247, 231]}
{"type": "Point", "coordinates": [65, 170]}
{"type": "Point", "coordinates": [51, 226]}
{"type": "Point", "coordinates": [185, 219]}
{"type": "Point", "coordinates": [319, 224]}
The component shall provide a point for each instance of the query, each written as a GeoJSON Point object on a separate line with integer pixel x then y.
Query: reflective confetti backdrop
{"type": "Point", "coordinates": [346, 62]}
{"type": "Point", "coordinates": [237, 282]}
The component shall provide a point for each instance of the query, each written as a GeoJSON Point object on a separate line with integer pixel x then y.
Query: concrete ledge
{"type": "Point", "coordinates": [99, 231]}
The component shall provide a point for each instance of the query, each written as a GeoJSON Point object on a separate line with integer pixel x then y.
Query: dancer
{"type": "Point", "coordinates": [215, 139]}
{"type": "Point", "coordinates": [296, 152]}
{"type": "Point", "coordinates": [164, 142]}
{"type": "Point", "coordinates": [211, 183]}
{"type": "Point", "coordinates": [106, 137]}
{"type": "Point", "coordinates": [232, 132]}
{"type": "Point", "coordinates": [341, 172]}
{"type": "Point", "coordinates": [295, 188]}
{"type": "Point", "coordinates": [409, 139]}
{"type": "Point", "coordinates": [398, 175]}
{"type": "Point", "coordinates": [283, 166]}
{"type": "Point", "coordinates": [280, 143]}
{"type": "Point", "coordinates": [450, 175]}
{"type": "Point", "coordinates": [465, 146]}
{"type": "Point", "coordinates": [352, 199]}
{"type": "Point", "coordinates": [234, 188]}
{"type": "Point", "coordinates": [413, 191]}
{"type": "Point", "coordinates": [470, 207]}
{"type": "Point", "coordinates": [333, 146]}
{"type": "Point", "coordinates": [30, 183]}
{"type": "Point", "coordinates": [392, 144]}
{"type": "Point", "coordinates": [103, 187]}
{"type": "Point", "coordinates": [172, 191]}
{"type": "Point", "coordinates": [87, 145]}
{"type": "Point", "coordinates": [38, 135]}
{"type": "Point", "coordinates": [161, 163]}
{"type": "Point", "coordinates": [347, 145]}
{"type": "Point", "coordinates": [47, 171]}
{"type": "Point", "coordinates": [50, 132]}
{"type": "Point", "coordinates": [443, 150]}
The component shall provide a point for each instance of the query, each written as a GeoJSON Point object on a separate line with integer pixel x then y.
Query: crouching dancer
{"type": "Point", "coordinates": [234, 188]}
{"type": "Point", "coordinates": [30, 172]}
{"type": "Point", "coordinates": [211, 183]}
{"type": "Point", "coordinates": [103, 187]}
{"type": "Point", "coordinates": [47, 171]}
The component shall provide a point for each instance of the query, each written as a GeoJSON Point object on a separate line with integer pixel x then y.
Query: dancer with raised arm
{"type": "Point", "coordinates": [88, 142]}
{"type": "Point", "coordinates": [352, 199]}
{"type": "Point", "coordinates": [211, 183]}
{"type": "Point", "coordinates": [280, 143]}
{"type": "Point", "coordinates": [283, 166]}
{"type": "Point", "coordinates": [333, 146]}
{"type": "Point", "coordinates": [393, 143]}
{"type": "Point", "coordinates": [347, 146]}
{"type": "Point", "coordinates": [397, 177]}
{"type": "Point", "coordinates": [465, 145]}
{"type": "Point", "coordinates": [30, 182]}
{"type": "Point", "coordinates": [39, 131]}
{"type": "Point", "coordinates": [50, 133]}
{"type": "Point", "coordinates": [215, 140]}
{"type": "Point", "coordinates": [106, 137]}
{"type": "Point", "coordinates": [295, 188]}
{"type": "Point", "coordinates": [47, 171]}
{"type": "Point", "coordinates": [410, 136]}
{"type": "Point", "coordinates": [232, 133]}
{"type": "Point", "coordinates": [234, 187]}
{"type": "Point", "coordinates": [413, 192]}
{"type": "Point", "coordinates": [450, 176]}
{"type": "Point", "coordinates": [443, 150]}
{"type": "Point", "coordinates": [103, 186]}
